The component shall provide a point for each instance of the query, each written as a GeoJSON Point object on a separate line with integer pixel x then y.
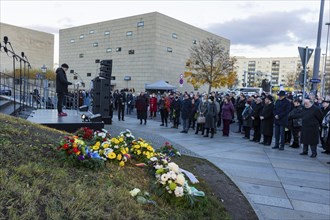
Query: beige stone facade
{"type": "Point", "coordinates": [37, 46]}
{"type": "Point", "coordinates": [147, 47]}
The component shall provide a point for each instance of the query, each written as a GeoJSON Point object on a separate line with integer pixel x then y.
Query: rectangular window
{"type": "Point", "coordinates": [169, 49]}
{"type": "Point", "coordinates": [140, 24]}
{"type": "Point", "coordinates": [81, 55]}
{"type": "Point", "coordinates": [174, 36]}
{"type": "Point", "coordinates": [72, 41]}
{"type": "Point", "coordinates": [75, 77]}
{"type": "Point", "coordinates": [95, 44]}
{"type": "Point", "coordinates": [107, 33]}
{"type": "Point", "coordinates": [89, 74]}
{"type": "Point", "coordinates": [81, 36]}
{"type": "Point", "coordinates": [118, 49]}
{"type": "Point", "coordinates": [109, 50]}
{"type": "Point", "coordinates": [91, 32]}
{"type": "Point", "coordinates": [129, 33]}
{"type": "Point", "coordinates": [131, 52]}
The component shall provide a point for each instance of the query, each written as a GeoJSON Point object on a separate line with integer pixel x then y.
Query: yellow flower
{"type": "Point", "coordinates": [121, 163]}
{"type": "Point", "coordinates": [106, 145]}
{"type": "Point", "coordinates": [123, 151]}
{"type": "Point", "coordinates": [126, 149]}
{"type": "Point", "coordinates": [138, 152]}
{"type": "Point", "coordinates": [121, 139]}
{"type": "Point", "coordinates": [119, 157]}
{"type": "Point", "coordinates": [150, 148]}
{"type": "Point", "coordinates": [112, 155]}
{"type": "Point", "coordinates": [74, 145]}
{"type": "Point", "coordinates": [78, 152]}
{"type": "Point", "coordinates": [96, 147]}
{"type": "Point", "coordinates": [137, 146]}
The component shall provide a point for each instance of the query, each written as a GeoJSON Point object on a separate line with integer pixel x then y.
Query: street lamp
{"type": "Point", "coordinates": [325, 60]}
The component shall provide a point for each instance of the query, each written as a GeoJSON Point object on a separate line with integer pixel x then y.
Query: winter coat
{"type": "Point", "coordinates": [202, 108]}
{"type": "Point", "coordinates": [325, 111]}
{"type": "Point", "coordinates": [61, 81]}
{"type": "Point", "coordinates": [325, 135]}
{"type": "Point", "coordinates": [141, 105]}
{"type": "Point", "coordinates": [164, 104]}
{"type": "Point", "coordinates": [257, 108]}
{"type": "Point", "coordinates": [240, 108]}
{"type": "Point", "coordinates": [121, 99]}
{"type": "Point", "coordinates": [153, 104]}
{"type": "Point", "coordinates": [267, 124]}
{"type": "Point", "coordinates": [210, 115]}
{"type": "Point", "coordinates": [282, 109]}
{"type": "Point", "coordinates": [246, 115]}
{"type": "Point", "coordinates": [294, 116]}
{"type": "Point", "coordinates": [186, 106]}
{"type": "Point", "coordinates": [227, 111]}
{"type": "Point", "coordinates": [311, 122]}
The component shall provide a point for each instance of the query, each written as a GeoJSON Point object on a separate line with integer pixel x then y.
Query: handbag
{"type": "Point", "coordinates": [201, 119]}
{"type": "Point", "coordinates": [297, 122]}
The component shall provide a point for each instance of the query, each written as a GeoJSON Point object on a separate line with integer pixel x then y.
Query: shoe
{"type": "Point", "coordinates": [281, 148]}
{"type": "Point", "coordinates": [275, 147]}
{"type": "Point", "coordinates": [303, 153]}
{"type": "Point", "coordinates": [262, 142]}
{"type": "Point", "coordinates": [252, 140]}
{"type": "Point", "coordinates": [182, 131]}
{"type": "Point", "coordinates": [145, 123]}
{"type": "Point", "coordinates": [118, 119]}
{"type": "Point", "coordinates": [62, 114]}
{"type": "Point", "coordinates": [166, 125]}
{"type": "Point", "coordinates": [313, 155]}
{"type": "Point", "coordinates": [237, 131]}
{"type": "Point", "coordinates": [122, 119]}
{"type": "Point", "coordinates": [325, 152]}
{"type": "Point", "coordinates": [211, 135]}
{"type": "Point", "coordinates": [328, 162]}
{"type": "Point", "coordinates": [173, 127]}
{"type": "Point", "coordinates": [161, 124]}
{"type": "Point", "coordinates": [244, 137]}
{"type": "Point", "coordinates": [206, 135]}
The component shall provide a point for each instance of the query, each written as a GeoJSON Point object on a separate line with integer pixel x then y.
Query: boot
{"type": "Point", "coordinates": [207, 133]}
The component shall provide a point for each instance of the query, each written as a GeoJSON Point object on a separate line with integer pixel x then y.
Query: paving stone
{"type": "Point", "coordinates": [271, 201]}
{"type": "Point", "coordinates": [262, 190]}
{"type": "Point", "coordinates": [311, 207]}
{"type": "Point", "coordinates": [308, 194]}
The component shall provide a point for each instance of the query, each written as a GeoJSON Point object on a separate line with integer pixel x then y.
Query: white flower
{"type": "Point", "coordinates": [178, 191]}
{"type": "Point", "coordinates": [107, 151]}
{"type": "Point", "coordinates": [180, 179]}
{"type": "Point", "coordinates": [157, 167]}
{"type": "Point", "coordinates": [153, 159]}
{"type": "Point", "coordinates": [164, 177]}
{"type": "Point", "coordinates": [164, 161]}
{"type": "Point", "coordinates": [102, 134]}
{"type": "Point", "coordinates": [174, 167]}
{"type": "Point", "coordinates": [134, 192]}
{"type": "Point", "coordinates": [172, 175]}
{"type": "Point", "coordinates": [116, 146]}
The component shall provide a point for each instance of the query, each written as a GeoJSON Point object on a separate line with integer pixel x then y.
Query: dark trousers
{"type": "Point", "coordinates": [152, 114]}
{"type": "Point", "coordinates": [226, 126]}
{"type": "Point", "coordinates": [296, 137]}
{"type": "Point", "coordinates": [176, 119]}
{"type": "Point", "coordinates": [200, 127]}
{"type": "Point", "coordinates": [240, 123]}
{"type": "Point", "coordinates": [164, 116]}
{"type": "Point", "coordinates": [288, 136]}
{"type": "Point", "coordinates": [121, 110]}
{"type": "Point", "coordinates": [313, 148]}
{"type": "Point", "coordinates": [267, 139]}
{"type": "Point", "coordinates": [279, 135]}
{"type": "Point", "coordinates": [60, 99]}
{"type": "Point", "coordinates": [256, 134]}
{"type": "Point", "coordinates": [247, 131]}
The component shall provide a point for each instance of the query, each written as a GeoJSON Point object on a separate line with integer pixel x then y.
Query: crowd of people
{"type": "Point", "coordinates": [288, 120]}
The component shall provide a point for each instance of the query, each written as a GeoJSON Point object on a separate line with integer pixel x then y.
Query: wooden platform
{"type": "Point", "coordinates": [70, 123]}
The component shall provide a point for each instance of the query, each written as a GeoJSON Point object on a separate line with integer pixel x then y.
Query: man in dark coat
{"type": "Point", "coordinates": [281, 112]}
{"type": "Point", "coordinates": [295, 122]}
{"type": "Point", "coordinates": [176, 108]}
{"type": "Point", "coordinates": [61, 87]}
{"type": "Point", "coordinates": [311, 122]}
{"type": "Point", "coordinates": [120, 101]}
{"type": "Point", "coordinates": [210, 117]}
{"type": "Point", "coordinates": [267, 121]}
{"type": "Point", "coordinates": [141, 105]}
{"type": "Point", "coordinates": [240, 106]}
{"type": "Point", "coordinates": [257, 108]}
{"type": "Point", "coordinates": [185, 112]}
{"type": "Point", "coordinates": [325, 109]}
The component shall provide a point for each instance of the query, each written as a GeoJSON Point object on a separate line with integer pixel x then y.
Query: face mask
{"type": "Point", "coordinates": [247, 105]}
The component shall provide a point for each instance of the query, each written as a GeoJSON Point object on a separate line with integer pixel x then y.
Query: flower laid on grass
{"type": "Point", "coordinates": [116, 150]}
{"type": "Point", "coordinates": [142, 151]}
{"type": "Point", "coordinates": [169, 150]}
{"type": "Point", "coordinates": [128, 136]}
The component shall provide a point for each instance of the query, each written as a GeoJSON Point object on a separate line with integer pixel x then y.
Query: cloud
{"type": "Point", "coordinates": [268, 29]}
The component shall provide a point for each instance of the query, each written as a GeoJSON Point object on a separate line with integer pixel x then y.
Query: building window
{"type": "Point", "coordinates": [89, 74]}
{"type": "Point", "coordinates": [118, 49]}
{"type": "Point", "coordinates": [82, 36]}
{"type": "Point", "coordinates": [75, 77]}
{"type": "Point", "coordinates": [107, 33]}
{"type": "Point", "coordinates": [131, 52]}
{"type": "Point", "coordinates": [169, 49]}
{"type": "Point", "coordinates": [72, 41]}
{"type": "Point", "coordinates": [140, 24]}
{"type": "Point", "coordinates": [91, 32]}
{"type": "Point", "coordinates": [95, 44]}
{"type": "Point", "coordinates": [81, 55]}
{"type": "Point", "coordinates": [109, 50]}
{"type": "Point", "coordinates": [175, 36]}
{"type": "Point", "coordinates": [129, 33]}
{"type": "Point", "coordinates": [194, 41]}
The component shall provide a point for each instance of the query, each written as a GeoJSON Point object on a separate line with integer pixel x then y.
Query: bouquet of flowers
{"type": "Point", "coordinates": [115, 150]}
{"type": "Point", "coordinates": [141, 150]}
{"type": "Point", "coordinates": [169, 150]}
{"type": "Point", "coordinates": [128, 136]}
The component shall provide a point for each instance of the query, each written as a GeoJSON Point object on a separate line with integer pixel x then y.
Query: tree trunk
{"type": "Point", "coordinates": [210, 87]}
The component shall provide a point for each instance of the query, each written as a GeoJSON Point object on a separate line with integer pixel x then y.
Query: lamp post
{"type": "Point", "coordinates": [325, 60]}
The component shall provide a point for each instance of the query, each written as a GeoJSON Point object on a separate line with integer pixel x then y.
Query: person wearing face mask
{"type": "Point", "coordinates": [176, 109]}
{"type": "Point", "coordinates": [247, 119]}
{"type": "Point", "coordinates": [210, 117]}
{"type": "Point", "coordinates": [186, 106]}
{"type": "Point", "coordinates": [226, 115]}
{"type": "Point", "coordinates": [153, 105]}
{"type": "Point", "coordinates": [164, 108]}
{"type": "Point", "coordinates": [202, 107]}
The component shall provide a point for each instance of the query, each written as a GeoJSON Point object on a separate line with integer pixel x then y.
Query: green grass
{"type": "Point", "coordinates": [34, 184]}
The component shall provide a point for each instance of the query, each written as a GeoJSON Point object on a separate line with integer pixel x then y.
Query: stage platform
{"type": "Point", "coordinates": [70, 123]}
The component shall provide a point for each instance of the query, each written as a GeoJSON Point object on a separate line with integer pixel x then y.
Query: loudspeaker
{"type": "Point", "coordinates": [106, 68]}
{"type": "Point", "coordinates": [96, 118]}
{"type": "Point", "coordinates": [101, 96]}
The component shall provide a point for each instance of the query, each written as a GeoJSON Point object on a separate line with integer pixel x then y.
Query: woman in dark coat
{"type": "Point", "coordinates": [240, 106]}
{"type": "Point", "coordinates": [257, 108]}
{"type": "Point", "coordinates": [311, 122]}
{"type": "Point", "coordinates": [226, 115]}
{"type": "Point", "coordinates": [294, 122]}
{"type": "Point", "coordinates": [141, 105]}
{"type": "Point", "coordinates": [210, 117]}
{"type": "Point", "coordinates": [247, 120]}
{"type": "Point", "coordinates": [267, 121]}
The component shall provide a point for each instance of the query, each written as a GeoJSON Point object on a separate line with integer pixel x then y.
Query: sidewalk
{"type": "Point", "coordinates": [278, 184]}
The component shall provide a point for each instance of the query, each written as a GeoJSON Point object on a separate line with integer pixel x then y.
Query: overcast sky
{"type": "Point", "coordinates": [260, 28]}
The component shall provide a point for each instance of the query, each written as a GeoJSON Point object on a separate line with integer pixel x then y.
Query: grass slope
{"type": "Point", "coordinates": [34, 184]}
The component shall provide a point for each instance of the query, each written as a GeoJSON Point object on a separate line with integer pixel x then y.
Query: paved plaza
{"type": "Point", "coordinates": [278, 184]}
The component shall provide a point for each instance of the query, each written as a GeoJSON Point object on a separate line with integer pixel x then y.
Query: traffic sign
{"type": "Point", "coordinates": [315, 80]}
{"type": "Point", "coordinates": [303, 52]}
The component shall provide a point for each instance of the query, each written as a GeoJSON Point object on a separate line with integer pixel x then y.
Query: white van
{"type": "Point", "coordinates": [249, 90]}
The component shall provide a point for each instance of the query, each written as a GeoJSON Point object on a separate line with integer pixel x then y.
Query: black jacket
{"type": "Point", "coordinates": [268, 121]}
{"type": "Point", "coordinates": [61, 81]}
{"type": "Point", "coordinates": [311, 122]}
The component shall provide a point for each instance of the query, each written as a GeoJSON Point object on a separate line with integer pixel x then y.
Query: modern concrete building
{"type": "Point", "coordinates": [37, 46]}
{"type": "Point", "coordinates": [144, 49]}
{"type": "Point", "coordinates": [280, 70]}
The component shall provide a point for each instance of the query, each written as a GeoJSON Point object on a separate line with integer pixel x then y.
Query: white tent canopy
{"type": "Point", "coordinates": [160, 85]}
